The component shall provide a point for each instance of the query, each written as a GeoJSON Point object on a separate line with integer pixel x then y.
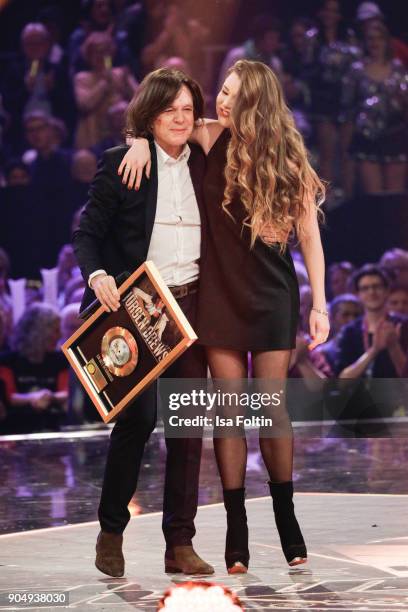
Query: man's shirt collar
{"type": "Point", "coordinates": [164, 159]}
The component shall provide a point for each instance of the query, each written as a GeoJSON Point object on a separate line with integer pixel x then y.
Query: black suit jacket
{"type": "Point", "coordinates": [116, 224]}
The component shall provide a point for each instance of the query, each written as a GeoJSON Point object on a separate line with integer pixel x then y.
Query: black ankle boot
{"type": "Point", "coordinates": [236, 543]}
{"type": "Point", "coordinates": [293, 544]}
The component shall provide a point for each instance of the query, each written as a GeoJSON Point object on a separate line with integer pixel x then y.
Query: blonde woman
{"type": "Point", "coordinates": [258, 182]}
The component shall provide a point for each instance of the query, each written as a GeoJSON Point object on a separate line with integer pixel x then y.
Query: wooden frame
{"type": "Point", "coordinates": [84, 348]}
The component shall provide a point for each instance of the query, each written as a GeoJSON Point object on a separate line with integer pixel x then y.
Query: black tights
{"type": "Point", "coordinates": [277, 450]}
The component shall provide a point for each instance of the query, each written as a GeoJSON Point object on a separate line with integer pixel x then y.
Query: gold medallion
{"type": "Point", "coordinates": [119, 351]}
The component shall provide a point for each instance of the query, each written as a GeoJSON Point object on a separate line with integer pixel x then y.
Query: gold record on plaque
{"type": "Point", "coordinates": [119, 351]}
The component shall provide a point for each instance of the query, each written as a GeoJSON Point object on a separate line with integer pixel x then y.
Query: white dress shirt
{"type": "Point", "coordinates": [176, 236]}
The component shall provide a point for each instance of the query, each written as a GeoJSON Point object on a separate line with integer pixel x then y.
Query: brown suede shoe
{"type": "Point", "coordinates": [184, 559]}
{"type": "Point", "coordinates": [109, 557]}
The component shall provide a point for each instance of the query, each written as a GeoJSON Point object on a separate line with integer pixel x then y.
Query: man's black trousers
{"type": "Point", "coordinates": [127, 441]}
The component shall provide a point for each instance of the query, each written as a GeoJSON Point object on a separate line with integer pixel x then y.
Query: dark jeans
{"type": "Point", "coordinates": [126, 446]}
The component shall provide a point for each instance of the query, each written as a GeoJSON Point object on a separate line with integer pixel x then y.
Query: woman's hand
{"type": "Point", "coordinates": [269, 234]}
{"type": "Point", "coordinates": [319, 328]}
{"type": "Point", "coordinates": [136, 159]}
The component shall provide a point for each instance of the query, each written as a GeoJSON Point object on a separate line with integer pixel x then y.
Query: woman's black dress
{"type": "Point", "coordinates": [248, 298]}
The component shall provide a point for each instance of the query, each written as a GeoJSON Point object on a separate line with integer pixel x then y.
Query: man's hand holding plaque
{"type": "Point", "coordinates": [135, 334]}
{"type": "Point", "coordinates": [107, 293]}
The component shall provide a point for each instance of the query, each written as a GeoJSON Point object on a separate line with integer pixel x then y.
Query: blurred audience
{"type": "Point", "coordinates": [98, 88]}
{"type": "Point", "coordinates": [16, 173]}
{"type": "Point", "coordinates": [75, 219]}
{"type": "Point", "coordinates": [369, 13]}
{"type": "Point", "coordinates": [33, 292]}
{"type": "Point", "coordinates": [80, 407]}
{"type": "Point", "coordinates": [34, 83]}
{"type": "Point", "coordinates": [35, 373]}
{"type": "Point", "coordinates": [339, 275]}
{"type": "Point", "coordinates": [49, 164]}
{"type": "Point", "coordinates": [174, 62]}
{"type": "Point", "coordinates": [39, 78]}
{"type": "Point", "coordinates": [130, 27]}
{"type": "Point", "coordinates": [172, 33]}
{"type": "Point", "coordinates": [397, 302]}
{"type": "Point", "coordinates": [74, 289]}
{"type": "Point", "coordinates": [70, 321]}
{"type": "Point", "coordinates": [5, 300]}
{"type": "Point", "coordinates": [59, 132]}
{"type": "Point", "coordinates": [329, 56]}
{"type": "Point", "coordinates": [301, 272]}
{"type": "Point", "coordinates": [374, 111]}
{"type": "Point", "coordinates": [344, 309]}
{"type": "Point", "coordinates": [84, 164]}
{"type": "Point", "coordinates": [83, 168]}
{"type": "Point", "coordinates": [116, 126]}
{"type": "Point", "coordinates": [4, 332]}
{"type": "Point", "coordinates": [52, 18]}
{"type": "Point", "coordinates": [263, 45]}
{"type": "Point", "coordinates": [375, 345]}
{"type": "Point", "coordinates": [312, 366]}
{"type": "Point", "coordinates": [306, 302]}
{"type": "Point", "coordinates": [66, 268]}
{"type": "Point", "coordinates": [4, 146]}
{"type": "Point", "coordinates": [395, 262]}
{"type": "Point", "coordinates": [295, 61]}
{"type": "Point", "coordinates": [97, 16]}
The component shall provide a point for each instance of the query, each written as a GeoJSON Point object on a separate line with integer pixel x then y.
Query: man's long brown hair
{"type": "Point", "coordinates": [267, 163]}
{"type": "Point", "coordinates": [157, 92]}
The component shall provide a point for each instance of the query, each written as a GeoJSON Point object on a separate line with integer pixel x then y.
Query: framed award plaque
{"type": "Point", "coordinates": [116, 355]}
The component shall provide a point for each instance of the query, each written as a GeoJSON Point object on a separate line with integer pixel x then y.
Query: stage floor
{"type": "Point", "coordinates": [49, 480]}
{"type": "Point", "coordinates": [358, 559]}
{"type": "Point", "coordinates": [357, 541]}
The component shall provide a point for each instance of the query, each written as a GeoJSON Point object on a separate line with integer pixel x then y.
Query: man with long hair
{"type": "Point", "coordinates": [118, 230]}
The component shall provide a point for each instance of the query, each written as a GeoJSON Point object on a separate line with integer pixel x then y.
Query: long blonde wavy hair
{"type": "Point", "coordinates": [267, 163]}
